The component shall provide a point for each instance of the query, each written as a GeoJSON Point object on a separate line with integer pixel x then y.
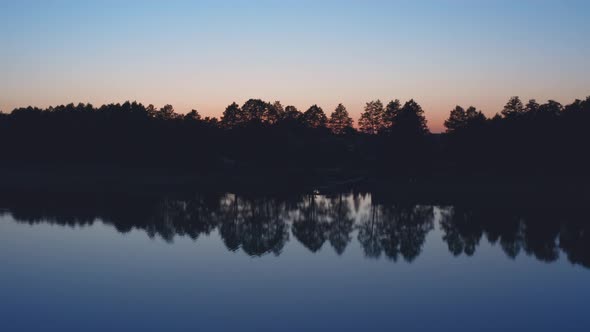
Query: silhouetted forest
{"type": "Point", "coordinates": [263, 224]}
{"type": "Point", "coordinates": [389, 140]}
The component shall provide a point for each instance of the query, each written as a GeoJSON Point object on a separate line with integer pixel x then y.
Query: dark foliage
{"type": "Point", "coordinates": [535, 139]}
{"type": "Point", "coordinates": [259, 136]}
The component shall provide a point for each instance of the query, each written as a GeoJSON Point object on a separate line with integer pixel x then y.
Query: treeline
{"type": "Point", "coordinates": [529, 138]}
{"type": "Point", "coordinates": [391, 139]}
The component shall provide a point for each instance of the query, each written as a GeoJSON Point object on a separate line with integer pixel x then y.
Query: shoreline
{"type": "Point", "coordinates": [427, 187]}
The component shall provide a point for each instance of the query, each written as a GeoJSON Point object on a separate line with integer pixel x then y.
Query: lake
{"type": "Point", "coordinates": [308, 262]}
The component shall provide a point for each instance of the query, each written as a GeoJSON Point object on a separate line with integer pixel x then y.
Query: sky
{"type": "Point", "coordinates": [205, 55]}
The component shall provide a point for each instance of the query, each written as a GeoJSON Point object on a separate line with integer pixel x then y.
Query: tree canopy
{"type": "Point", "coordinates": [315, 117]}
{"type": "Point", "coordinates": [340, 122]}
{"type": "Point", "coordinates": [410, 120]}
{"type": "Point", "coordinates": [371, 120]}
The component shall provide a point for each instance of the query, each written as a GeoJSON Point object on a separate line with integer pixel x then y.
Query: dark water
{"type": "Point", "coordinates": [340, 262]}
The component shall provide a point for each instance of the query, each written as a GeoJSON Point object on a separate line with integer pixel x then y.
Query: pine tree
{"type": "Point", "coordinates": [166, 113]}
{"type": "Point", "coordinates": [473, 117]}
{"type": "Point", "coordinates": [513, 108]}
{"type": "Point", "coordinates": [391, 111]}
{"type": "Point", "coordinates": [193, 115]}
{"type": "Point", "coordinates": [532, 107]}
{"type": "Point", "coordinates": [255, 110]}
{"type": "Point", "coordinates": [371, 120]}
{"type": "Point", "coordinates": [340, 121]}
{"type": "Point", "coordinates": [232, 116]}
{"type": "Point", "coordinates": [551, 107]}
{"type": "Point", "coordinates": [315, 117]}
{"type": "Point", "coordinates": [410, 120]}
{"type": "Point", "coordinates": [274, 113]}
{"type": "Point", "coordinates": [291, 114]}
{"type": "Point", "coordinates": [456, 119]}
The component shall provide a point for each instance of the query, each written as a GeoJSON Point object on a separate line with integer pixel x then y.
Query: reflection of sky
{"type": "Point", "coordinates": [207, 54]}
{"type": "Point", "coordinates": [93, 278]}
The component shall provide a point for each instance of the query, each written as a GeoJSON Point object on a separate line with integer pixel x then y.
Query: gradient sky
{"type": "Point", "coordinates": [207, 54]}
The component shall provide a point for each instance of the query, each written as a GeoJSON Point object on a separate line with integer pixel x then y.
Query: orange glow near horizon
{"type": "Point", "coordinates": [205, 55]}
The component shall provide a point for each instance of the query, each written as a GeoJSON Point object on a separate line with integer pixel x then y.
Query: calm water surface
{"type": "Point", "coordinates": [340, 262]}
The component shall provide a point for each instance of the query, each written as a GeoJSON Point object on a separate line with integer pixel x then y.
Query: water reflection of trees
{"type": "Point", "coordinates": [342, 222]}
{"type": "Point", "coordinates": [256, 225]}
{"type": "Point", "coordinates": [395, 230]}
{"type": "Point", "coordinates": [311, 223]}
{"type": "Point", "coordinates": [260, 225]}
{"type": "Point", "coordinates": [541, 233]}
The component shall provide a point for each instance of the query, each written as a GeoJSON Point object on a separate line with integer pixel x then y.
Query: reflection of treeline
{"type": "Point", "coordinates": [537, 231]}
{"type": "Point", "coordinates": [264, 224]}
{"type": "Point", "coordinates": [392, 138]}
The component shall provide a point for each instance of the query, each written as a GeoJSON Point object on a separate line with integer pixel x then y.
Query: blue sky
{"type": "Point", "coordinates": [207, 54]}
